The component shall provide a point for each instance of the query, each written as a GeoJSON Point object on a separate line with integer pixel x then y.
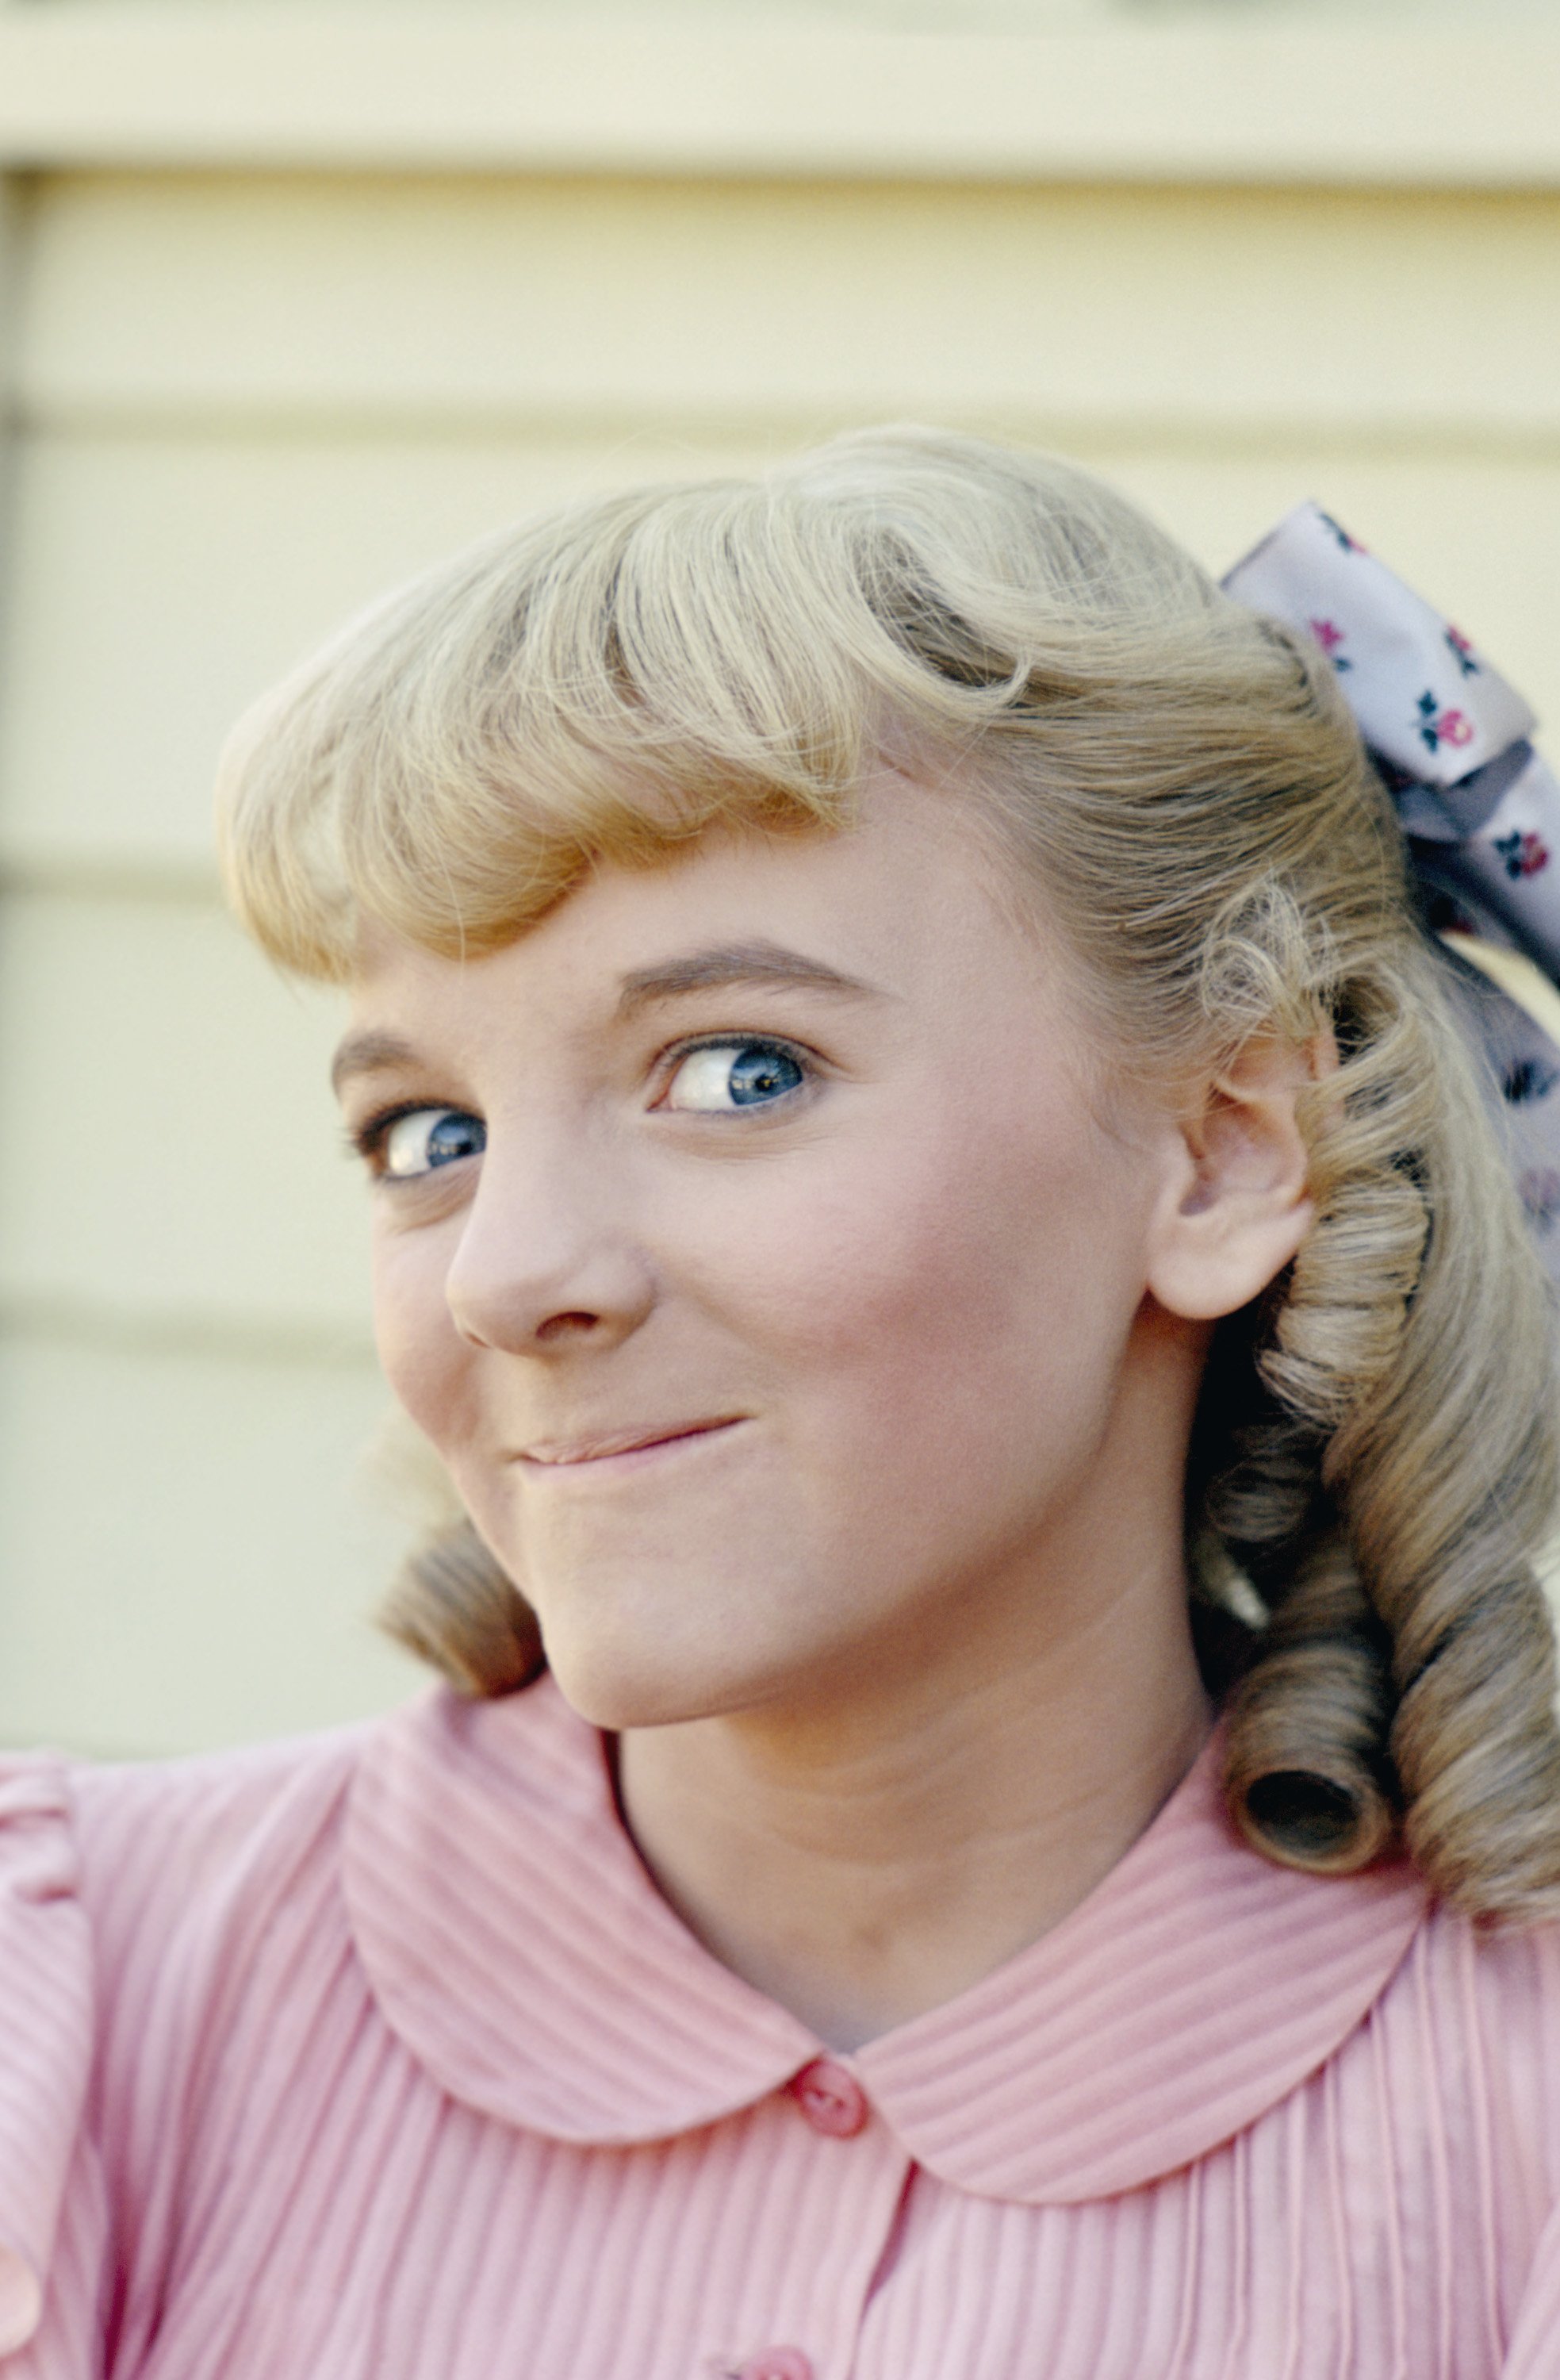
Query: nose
{"type": "Point", "coordinates": [546, 1263]}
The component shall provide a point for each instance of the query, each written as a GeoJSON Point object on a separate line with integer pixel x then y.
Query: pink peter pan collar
{"type": "Point", "coordinates": [515, 1944]}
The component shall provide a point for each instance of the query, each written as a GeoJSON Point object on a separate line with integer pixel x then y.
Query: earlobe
{"type": "Point", "coordinates": [1236, 1204]}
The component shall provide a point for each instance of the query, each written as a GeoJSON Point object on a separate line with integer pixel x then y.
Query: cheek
{"type": "Point", "coordinates": [919, 1295]}
{"type": "Point", "coordinates": [424, 1358]}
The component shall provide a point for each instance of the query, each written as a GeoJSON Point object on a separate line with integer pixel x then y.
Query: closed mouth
{"type": "Point", "coordinates": [573, 1454]}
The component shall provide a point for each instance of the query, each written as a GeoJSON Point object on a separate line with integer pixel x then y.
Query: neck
{"type": "Point", "coordinates": [870, 1845]}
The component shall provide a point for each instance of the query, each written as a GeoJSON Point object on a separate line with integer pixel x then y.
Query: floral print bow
{"type": "Point", "coordinates": [1479, 810]}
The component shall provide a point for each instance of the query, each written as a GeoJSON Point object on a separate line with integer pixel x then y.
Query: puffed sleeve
{"type": "Point", "coordinates": [51, 2198]}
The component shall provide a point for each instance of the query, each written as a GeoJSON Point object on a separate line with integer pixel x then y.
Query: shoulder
{"type": "Point", "coordinates": [177, 1868]}
{"type": "Point", "coordinates": [46, 2016]}
{"type": "Point", "coordinates": [131, 1897]}
{"type": "Point", "coordinates": [1471, 2023]}
{"type": "Point", "coordinates": [1464, 1981]}
{"type": "Point", "coordinates": [157, 1873]}
{"type": "Point", "coordinates": [161, 1836]}
{"type": "Point", "coordinates": [116, 1888]}
{"type": "Point", "coordinates": [192, 1874]}
{"type": "Point", "coordinates": [1464, 1972]}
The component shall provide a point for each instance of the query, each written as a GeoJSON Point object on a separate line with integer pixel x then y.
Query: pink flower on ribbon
{"type": "Point", "coordinates": [1330, 637]}
{"type": "Point", "coordinates": [1437, 726]}
{"type": "Point", "coordinates": [1465, 657]}
{"type": "Point", "coordinates": [1522, 855]}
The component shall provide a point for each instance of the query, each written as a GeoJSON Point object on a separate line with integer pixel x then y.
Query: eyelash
{"type": "Point", "coordinates": [366, 1141]}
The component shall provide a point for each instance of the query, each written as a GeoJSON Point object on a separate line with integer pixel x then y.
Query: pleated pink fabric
{"type": "Point", "coordinates": [379, 2058]}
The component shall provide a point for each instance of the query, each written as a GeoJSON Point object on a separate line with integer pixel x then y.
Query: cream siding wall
{"type": "Point", "coordinates": [241, 403]}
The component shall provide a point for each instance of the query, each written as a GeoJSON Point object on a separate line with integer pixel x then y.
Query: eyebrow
{"type": "Point", "coordinates": [370, 1053]}
{"type": "Point", "coordinates": [377, 1052]}
{"type": "Point", "coordinates": [725, 964]}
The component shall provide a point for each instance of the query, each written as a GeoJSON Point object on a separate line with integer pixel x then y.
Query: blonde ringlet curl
{"type": "Point", "coordinates": [1181, 786]}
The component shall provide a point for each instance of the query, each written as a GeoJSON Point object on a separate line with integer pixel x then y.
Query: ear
{"type": "Point", "coordinates": [1236, 1206]}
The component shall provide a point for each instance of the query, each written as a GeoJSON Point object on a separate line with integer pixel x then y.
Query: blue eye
{"type": "Point", "coordinates": [728, 1075]}
{"type": "Point", "coordinates": [428, 1137]}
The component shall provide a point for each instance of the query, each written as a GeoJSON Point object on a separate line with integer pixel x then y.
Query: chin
{"type": "Point", "coordinates": [628, 1671]}
{"type": "Point", "coordinates": [619, 1688]}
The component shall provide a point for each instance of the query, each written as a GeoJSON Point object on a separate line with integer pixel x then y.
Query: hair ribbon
{"type": "Point", "coordinates": [1478, 808]}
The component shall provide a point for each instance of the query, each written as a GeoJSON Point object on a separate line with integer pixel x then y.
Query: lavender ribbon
{"type": "Point", "coordinates": [1479, 808]}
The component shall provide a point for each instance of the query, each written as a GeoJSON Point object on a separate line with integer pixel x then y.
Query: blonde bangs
{"type": "Point", "coordinates": [614, 680]}
{"type": "Point", "coordinates": [465, 751]}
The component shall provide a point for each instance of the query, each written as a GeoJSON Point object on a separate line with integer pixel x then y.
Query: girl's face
{"type": "Point", "coordinates": [765, 1254]}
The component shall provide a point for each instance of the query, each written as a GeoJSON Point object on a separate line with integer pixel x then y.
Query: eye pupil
{"type": "Point", "coordinates": [426, 1137]}
{"type": "Point", "coordinates": [454, 1136]}
{"type": "Point", "coordinates": [726, 1075]}
{"type": "Point", "coordinates": [760, 1073]}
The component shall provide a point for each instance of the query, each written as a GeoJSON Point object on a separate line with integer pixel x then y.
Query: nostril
{"type": "Point", "coordinates": [574, 1325]}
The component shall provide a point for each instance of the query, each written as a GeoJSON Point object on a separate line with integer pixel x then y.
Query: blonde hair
{"type": "Point", "coordinates": [1374, 1448]}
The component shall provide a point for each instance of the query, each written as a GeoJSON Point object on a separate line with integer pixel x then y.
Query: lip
{"type": "Point", "coordinates": [620, 1449]}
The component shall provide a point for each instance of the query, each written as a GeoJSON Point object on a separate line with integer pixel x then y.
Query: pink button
{"type": "Point", "coordinates": [830, 2098]}
{"type": "Point", "coordinates": [777, 2363]}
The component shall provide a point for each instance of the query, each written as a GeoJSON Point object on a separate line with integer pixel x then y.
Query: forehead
{"type": "Point", "coordinates": [906, 899]}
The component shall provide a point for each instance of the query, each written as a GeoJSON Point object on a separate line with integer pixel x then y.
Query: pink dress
{"type": "Point", "coordinates": [377, 2058]}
